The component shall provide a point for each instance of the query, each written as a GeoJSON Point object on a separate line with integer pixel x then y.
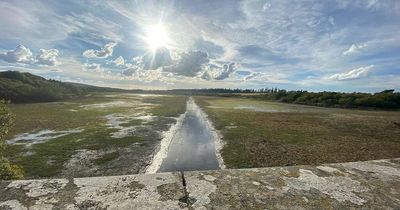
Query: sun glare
{"type": "Point", "coordinates": [157, 36]}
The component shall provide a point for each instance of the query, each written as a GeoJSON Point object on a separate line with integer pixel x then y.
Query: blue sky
{"type": "Point", "coordinates": [334, 45]}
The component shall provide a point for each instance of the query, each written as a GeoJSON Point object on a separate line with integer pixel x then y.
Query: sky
{"type": "Point", "coordinates": [314, 45]}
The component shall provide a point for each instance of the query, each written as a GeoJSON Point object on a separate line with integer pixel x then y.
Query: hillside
{"type": "Point", "coordinates": [22, 87]}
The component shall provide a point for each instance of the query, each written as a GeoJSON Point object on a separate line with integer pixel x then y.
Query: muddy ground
{"type": "Point", "coordinates": [102, 134]}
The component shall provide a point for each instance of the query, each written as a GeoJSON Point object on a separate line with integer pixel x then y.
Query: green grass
{"type": "Point", "coordinates": [106, 158]}
{"type": "Point", "coordinates": [57, 115]}
{"type": "Point", "coordinates": [317, 135]}
{"type": "Point", "coordinates": [131, 123]}
{"type": "Point", "coordinates": [47, 159]}
{"type": "Point", "coordinates": [169, 106]}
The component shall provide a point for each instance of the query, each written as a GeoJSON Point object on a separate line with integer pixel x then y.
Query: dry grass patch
{"type": "Point", "coordinates": [261, 139]}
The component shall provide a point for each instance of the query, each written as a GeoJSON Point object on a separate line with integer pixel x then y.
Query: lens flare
{"type": "Point", "coordinates": [157, 36]}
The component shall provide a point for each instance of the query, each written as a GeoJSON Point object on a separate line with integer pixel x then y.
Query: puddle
{"type": "Point", "coordinates": [134, 95]}
{"type": "Point", "coordinates": [151, 95]}
{"type": "Point", "coordinates": [231, 127]}
{"type": "Point", "coordinates": [40, 136]}
{"type": "Point", "coordinates": [193, 144]}
{"type": "Point", "coordinates": [106, 105]}
{"type": "Point", "coordinates": [116, 121]}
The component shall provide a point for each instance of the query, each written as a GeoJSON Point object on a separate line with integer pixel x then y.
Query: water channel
{"type": "Point", "coordinates": [193, 145]}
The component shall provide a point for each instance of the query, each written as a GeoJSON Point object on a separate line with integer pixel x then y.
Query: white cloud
{"type": "Point", "coordinates": [266, 6]}
{"type": "Point", "coordinates": [93, 67]}
{"type": "Point", "coordinates": [388, 6]}
{"type": "Point", "coordinates": [217, 72]}
{"type": "Point", "coordinates": [195, 64]}
{"type": "Point", "coordinates": [21, 54]}
{"type": "Point", "coordinates": [189, 64]}
{"type": "Point", "coordinates": [252, 75]}
{"type": "Point", "coordinates": [48, 57]}
{"type": "Point", "coordinates": [226, 71]}
{"type": "Point", "coordinates": [104, 52]}
{"type": "Point", "coordinates": [161, 57]}
{"type": "Point", "coordinates": [354, 48]}
{"type": "Point", "coordinates": [136, 73]}
{"type": "Point", "coordinates": [23, 20]}
{"type": "Point", "coordinates": [255, 77]}
{"type": "Point", "coordinates": [352, 74]}
{"type": "Point", "coordinates": [119, 61]}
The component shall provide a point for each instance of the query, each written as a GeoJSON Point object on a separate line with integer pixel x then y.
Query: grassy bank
{"type": "Point", "coordinates": [170, 106]}
{"type": "Point", "coordinates": [260, 134]}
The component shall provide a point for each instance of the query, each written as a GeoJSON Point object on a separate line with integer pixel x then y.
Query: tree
{"type": "Point", "coordinates": [7, 170]}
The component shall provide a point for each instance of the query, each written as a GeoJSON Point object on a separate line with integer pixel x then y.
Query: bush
{"type": "Point", "coordinates": [7, 170]}
{"type": "Point", "coordinates": [387, 99]}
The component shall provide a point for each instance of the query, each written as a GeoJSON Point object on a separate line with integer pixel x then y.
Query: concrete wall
{"type": "Point", "coordinates": [356, 185]}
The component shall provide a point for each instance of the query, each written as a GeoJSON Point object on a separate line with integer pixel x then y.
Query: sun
{"type": "Point", "coordinates": [157, 36]}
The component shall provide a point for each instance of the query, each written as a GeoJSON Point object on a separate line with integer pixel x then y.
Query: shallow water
{"type": "Point", "coordinates": [193, 145]}
{"type": "Point", "coordinates": [115, 121]}
{"type": "Point", "coordinates": [106, 105]}
{"type": "Point", "coordinates": [41, 136]}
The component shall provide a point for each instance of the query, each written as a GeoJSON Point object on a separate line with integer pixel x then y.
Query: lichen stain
{"type": "Point", "coordinates": [340, 188]}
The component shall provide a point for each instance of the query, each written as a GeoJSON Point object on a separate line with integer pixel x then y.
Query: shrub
{"type": "Point", "coordinates": [7, 170]}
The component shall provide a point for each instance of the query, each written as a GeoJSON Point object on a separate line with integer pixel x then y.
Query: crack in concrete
{"type": "Point", "coordinates": [186, 199]}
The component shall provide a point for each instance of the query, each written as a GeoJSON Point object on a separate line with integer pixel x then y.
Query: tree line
{"type": "Point", "coordinates": [387, 99]}
{"type": "Point", "coordinates": [25, 87]}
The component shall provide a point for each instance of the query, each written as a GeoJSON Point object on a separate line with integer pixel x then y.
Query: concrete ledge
{"type": "Point", "coordinates": [366, 185]}
{"type": "Point", "coordinates": [355, 185]}
{"type": "Point", "coordinates": [144, 191]}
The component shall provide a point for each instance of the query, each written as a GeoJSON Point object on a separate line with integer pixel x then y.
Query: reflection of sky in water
{"type": "Point", "coordinates": [192, 147]}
